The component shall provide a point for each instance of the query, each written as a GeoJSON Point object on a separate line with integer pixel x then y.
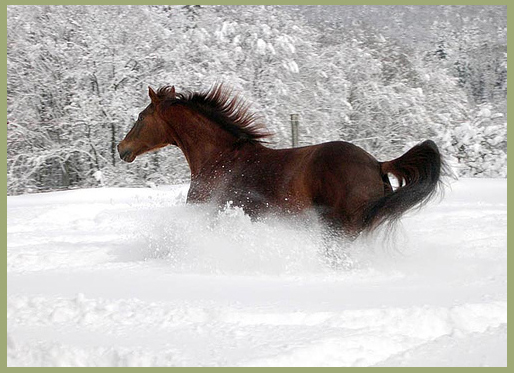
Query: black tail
{"type": "Point", "coordinates": [419, 174]}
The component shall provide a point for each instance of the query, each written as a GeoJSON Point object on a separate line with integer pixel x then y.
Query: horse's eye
{"type": "Point", "coordinates": [140, 118]}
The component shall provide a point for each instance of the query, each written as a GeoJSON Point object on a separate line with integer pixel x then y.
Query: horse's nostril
{"type": "Point", "coordinates": [125, 155]}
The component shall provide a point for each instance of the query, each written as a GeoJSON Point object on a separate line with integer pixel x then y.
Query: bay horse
{"type": "Point", "coordinates": [224, 146]}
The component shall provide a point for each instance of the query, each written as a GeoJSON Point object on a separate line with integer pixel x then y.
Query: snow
{"type": "Point", "coordinates": [134, 277]}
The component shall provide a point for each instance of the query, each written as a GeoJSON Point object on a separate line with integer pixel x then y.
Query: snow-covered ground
{"type": "Point", "coordinates": [134, 277]}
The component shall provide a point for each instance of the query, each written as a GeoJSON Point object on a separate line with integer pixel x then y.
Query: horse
{"type": "Point", "coordinates": [225, 147]}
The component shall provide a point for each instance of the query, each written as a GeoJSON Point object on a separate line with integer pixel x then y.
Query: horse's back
{"type": "Point", "coordinates": [344, 160]}
{"type": "Point", "coordinates": [329, 172]}
{"type": "Point", "coordinates": [342, 149]}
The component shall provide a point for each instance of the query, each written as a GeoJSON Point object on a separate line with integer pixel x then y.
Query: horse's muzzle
{"type": "Point", "coordinates": [126, 154]}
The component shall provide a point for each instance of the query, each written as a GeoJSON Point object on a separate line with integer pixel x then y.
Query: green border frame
{"type": "Point", "coordinates": [3, 130]}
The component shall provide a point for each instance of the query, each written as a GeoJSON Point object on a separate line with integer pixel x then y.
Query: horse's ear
{"type": "Point", "coordinates": [153, 96]}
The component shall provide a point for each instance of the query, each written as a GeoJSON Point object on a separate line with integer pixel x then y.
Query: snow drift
{"type": "Point", "coordinates": [134, 277]}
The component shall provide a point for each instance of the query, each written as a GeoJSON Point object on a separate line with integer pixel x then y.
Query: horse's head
{"type": "Point", "coordinates": [150, 131]}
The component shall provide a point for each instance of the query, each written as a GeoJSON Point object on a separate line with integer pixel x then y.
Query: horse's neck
{"type": "Point", "coordinates": [200, 139]}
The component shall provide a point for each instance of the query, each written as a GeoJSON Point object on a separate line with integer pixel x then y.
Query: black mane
{"type": "Point", "coordinates": [230, 112]}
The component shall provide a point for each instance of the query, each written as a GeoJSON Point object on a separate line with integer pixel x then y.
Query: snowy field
{"type": "Point", "coordinates": [134, 277]}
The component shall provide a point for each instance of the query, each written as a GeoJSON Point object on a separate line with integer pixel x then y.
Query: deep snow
{"type": "Point", "coordinates": [134, 277]}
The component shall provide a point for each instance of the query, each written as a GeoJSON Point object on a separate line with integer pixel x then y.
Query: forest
{"type": "Point", "coordinates": [381, 77]}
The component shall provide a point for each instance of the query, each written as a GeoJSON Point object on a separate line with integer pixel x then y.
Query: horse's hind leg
{"type": "Point", "coordinates": [336, 253]}
{"type": "Point", "coordinates": [336, 244]}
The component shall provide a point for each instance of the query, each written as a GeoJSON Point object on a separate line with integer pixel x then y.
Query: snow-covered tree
{"type": "Point", "coordinates": [478, 147]}
{"type": "Point", "coordinates": [77, 77]}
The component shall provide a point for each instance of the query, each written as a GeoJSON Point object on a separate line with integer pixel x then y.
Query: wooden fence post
{"type": "Point", "coordinates": [294, 129]}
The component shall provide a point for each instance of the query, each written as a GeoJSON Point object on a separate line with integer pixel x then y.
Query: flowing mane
{"type": "Point", "coordinates": [230, 112]}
